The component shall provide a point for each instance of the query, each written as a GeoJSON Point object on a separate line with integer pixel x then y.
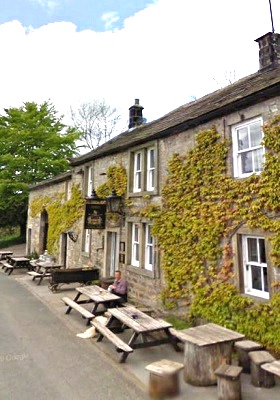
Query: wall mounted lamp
{"type": "Point", "coordinates": [114, 203]}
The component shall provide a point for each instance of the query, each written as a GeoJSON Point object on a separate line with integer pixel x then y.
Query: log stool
{"type": "Point", "coordinates": [164, 378]}
{"type": "Point", "coordinates": [228, 380]}
{"type": "Point", "coordinates": [243, 348]}
{"type": "Point", "coordinates": [260, 377]}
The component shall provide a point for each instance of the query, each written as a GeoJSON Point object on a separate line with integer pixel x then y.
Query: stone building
{"type": "Point", "coordinates": [125, 241]}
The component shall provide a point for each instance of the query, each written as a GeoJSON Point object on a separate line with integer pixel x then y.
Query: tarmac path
{"type": "Point", "coordinates": [40, 359]}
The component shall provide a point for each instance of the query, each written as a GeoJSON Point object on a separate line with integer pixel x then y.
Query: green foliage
{"type": "Point", "coordinates": [116, 179]}
{"type": "Point", "coordinates": [62, 215]}
{"type": "Point", "coordinates": [34, 146]}
{"type": "Point", "coordinates": [10, 236]}
{"type": "Point", "coordinates": [202, 208]}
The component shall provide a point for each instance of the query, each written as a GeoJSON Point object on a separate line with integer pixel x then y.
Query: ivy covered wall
{"type": "Point", "coordinates": [202, 208]}
{"type": "Point", "coordinates": [62, 215]}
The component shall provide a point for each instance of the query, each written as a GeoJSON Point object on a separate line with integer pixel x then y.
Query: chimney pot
{"type": "Point", "coordinates": [269, 50]}
{"type": "Point", "coordinates": [135, 115]}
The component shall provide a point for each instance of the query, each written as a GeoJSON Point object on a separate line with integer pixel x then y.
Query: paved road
{"type": "Point", "coordinates": [40, 359]}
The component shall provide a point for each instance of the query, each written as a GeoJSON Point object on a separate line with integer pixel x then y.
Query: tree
{"type": "Point", "coordinates": [34, 145]}
{"type": "Point", "coordinates": [96, 121]}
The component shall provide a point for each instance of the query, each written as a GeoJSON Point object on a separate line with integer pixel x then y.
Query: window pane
{"type": "Point", "coordinates": [136, 252]}
{"type": "Point", "coordinates": [243, 139]}
{"type": "Point", "coordinates": [136, 233]}
{"type": "Point", "coordinates": [246, 162]}
{"type": "Point", "coordinates": [150, 256]}
{"type": "Point", "coordinates": [255, 134]}
{"type": "Point", "coordinates": [138, 162]}
{"type": "Point", "coordinates": [258, 160]}
{"type": "Point", "coordinates": [138, 180]}
{"type": "Point", "coordinates": [256, 277]}
{"type": "Point", "coordinates": [151, 158]}
{"type": "Point", "coordinates": [262, 251]}
{"type": "Point", "coordinates": [265, 280]}
{"type": "Point", "coordinates": [149, 236]}
{"type": "Point", "coordinates": [252, 249]}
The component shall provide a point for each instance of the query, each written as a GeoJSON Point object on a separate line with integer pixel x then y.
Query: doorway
{"type": "Point", "coordinates": [112, 253]}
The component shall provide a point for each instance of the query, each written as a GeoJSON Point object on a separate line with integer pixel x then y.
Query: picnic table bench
{"type": "Point", "coordinates": [94, 294]}
{"type": "Point", "coordinates": [142, 325]}
{"type": "Point", "coordinates": [111, 336]}
{"type": "Point", "coordinates": [72, 304]}
{"type": "Point", "coordinates": [16, 262]}
{"type": "Point", "coordinates": [4, 254]}
{"type": "Point", "coordinates": [42, 270]}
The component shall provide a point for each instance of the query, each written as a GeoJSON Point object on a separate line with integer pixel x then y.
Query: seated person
{"type": "Point", "coordinates": [119, 286]}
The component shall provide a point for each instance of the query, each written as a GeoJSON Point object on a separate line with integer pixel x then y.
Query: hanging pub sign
{"type": "Point", "coordinates": [95, 215]}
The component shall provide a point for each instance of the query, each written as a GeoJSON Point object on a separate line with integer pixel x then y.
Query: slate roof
{"type": "Point", "coordinates": [49, 182]}
{"type": "Point", "coordinates": [247, 91]}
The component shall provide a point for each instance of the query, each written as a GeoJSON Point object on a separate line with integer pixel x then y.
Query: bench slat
{"type": "Point", "coordinates": [103, 330]}
{"type": "Point", "coordinates": [33, 273]}
{"type": "Point", "coordinates": [87, 314]}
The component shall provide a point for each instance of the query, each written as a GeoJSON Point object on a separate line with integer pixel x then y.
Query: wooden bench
{"type": "Point", "coordinates": [228, 380]}
{"type": "Point", "coordinates": [259, 376]}
{"type": "Point", "coordinates": [243, 348]}
{"type": "Point", "coordinates": [145, 310]}
{"type": "Point", "coordinates": [8, 267]}
{"type": "Point", "coordinates": [104, 331]}
{"type": "Point", "coordinates": [164, 378]}
{"type": "Point", "coordinates": [35, 274]}
{"type": "Point", "coordinates": [72, 304]}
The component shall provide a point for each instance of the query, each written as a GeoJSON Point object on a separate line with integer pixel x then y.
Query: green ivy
{"type": "Point", "coordinates": [202, 207]}
{"type": "Point", "coordinates": [62, 215]}
{"type": "Point", "coordinates": [116, 180]}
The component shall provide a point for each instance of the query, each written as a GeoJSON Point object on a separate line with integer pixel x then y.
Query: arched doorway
{"type": "Point", "coordinates": [44, 224]}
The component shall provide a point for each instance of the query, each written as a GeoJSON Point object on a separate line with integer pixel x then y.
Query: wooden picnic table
{"type": "Point", "coordinates": [206, 348]}
{"type": "Point", "coordinates": [4, 254]}
{"type": "Point", "coordinates": [17, 262]}
{"type": "Point", "coordinates": [141, 325]}
{"type": "Point", "coordinates": [97, 296]}
{"type": "Point", "coordinates": [42, 270]}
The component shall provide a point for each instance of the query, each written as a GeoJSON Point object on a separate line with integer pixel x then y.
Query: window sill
{"type": "Point", "coordinates": [143, 193]}
{"type": "Point", "coordinates": [141, 271]}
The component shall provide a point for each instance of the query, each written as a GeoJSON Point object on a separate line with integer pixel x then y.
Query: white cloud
{"type": "Point", "coordinates": [164, 55]}
{"type": "Point", "coordinates": [110, 18]}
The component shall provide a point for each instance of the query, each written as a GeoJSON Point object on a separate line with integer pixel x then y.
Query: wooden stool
{"type": "Point", "coordinates": [260, 377]}
{"type": "Point", "coordinates": [229, 386]}
{"type": "Point", "coordinates": [243, 347]}
{"type": "Point", "coordinates": [164, 380]}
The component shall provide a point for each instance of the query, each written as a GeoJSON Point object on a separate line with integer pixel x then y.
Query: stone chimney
{"type": "Point", "coordinates": [135, 115]}
{"type": "Point", "coordinates": [269, 50]}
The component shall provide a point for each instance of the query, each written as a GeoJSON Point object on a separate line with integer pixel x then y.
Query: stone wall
{"type": "Point", "coordinates": [143, 288]}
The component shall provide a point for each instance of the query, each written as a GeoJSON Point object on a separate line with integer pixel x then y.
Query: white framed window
{"type": "Point", "coordinates": [143, 169]}
{"type": "Point", "coordinates": [142, 246]}
{"type": "Point", "coordinates": [149, 248]}
{"type": "Point", "coordinates": [248, 152]}
{"type": "Point", "coordinates": [151, 169]}
{"type": "Point", "coordinates": [86, 241]}
{"type": "Point", "coordinates": [135, 254]}
{"type": "Point", "coordinates": [137, 182]}
{"type": "Point", "coordinates": [255, 266]}
{"type": "Point", "coordinates": [89, 181]}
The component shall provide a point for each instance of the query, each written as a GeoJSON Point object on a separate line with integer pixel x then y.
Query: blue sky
{"type": "Point", "coordinates": [163, 52]}
{"type": "Point", "coordinates": [98, 15]}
